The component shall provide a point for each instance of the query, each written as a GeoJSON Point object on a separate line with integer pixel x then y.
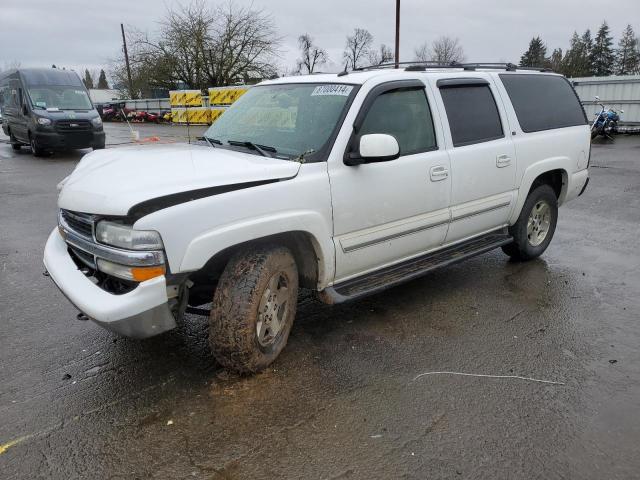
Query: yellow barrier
{"type": "Point", "coordinates": [179, 115]}
{"type": "Point", "coordinates": [225, 95]}
{"type": "Point", "coordinates": [184, 98]}
{"type": "Point", "coordinates": [216, 112]}
{"type": "Point", "coordinates": [199, 115]}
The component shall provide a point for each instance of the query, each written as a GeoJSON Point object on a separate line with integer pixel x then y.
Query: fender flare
{"type": "Point", "coordinates": [205, 246]}
{"type": "Point", "coordinates": [533, 172]}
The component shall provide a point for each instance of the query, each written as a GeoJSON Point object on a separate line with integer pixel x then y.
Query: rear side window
{"type": "Point", "coordinates": [472, 113]}
{"type": "Point", "coordinates": [543, 102]}
{"type": "Point", "coordinates": [404, 114]}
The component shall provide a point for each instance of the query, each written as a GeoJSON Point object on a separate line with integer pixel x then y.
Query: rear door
{"type": "Point", "coordinates": [483, 161]}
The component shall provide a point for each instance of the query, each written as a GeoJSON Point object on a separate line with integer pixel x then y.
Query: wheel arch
{"type": "Point", "coordinates": [552, 172]}
{"type": "Point", "coordinates": [303, 245]}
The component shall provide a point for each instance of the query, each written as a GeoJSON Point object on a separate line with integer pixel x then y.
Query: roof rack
{"type": "Point", "coordinates": [421, 66]}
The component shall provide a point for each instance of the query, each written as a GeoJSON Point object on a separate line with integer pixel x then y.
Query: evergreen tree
{"type": "Point", "coordinates": [88, 81]}
{"type": "Point", "coordinates": [102, 81]}
{"type": "Point", "coordinates": [555, 61]}
{"type": "Point", "coordinates": [577, 61]}
{"type": "Point", "coordinates": [602, 57]}
{"type": "Point", "coordinates": [627, 56]}
{"type": "Point", "coordinates": [535, 56]}
{"type": "Point", "coordinates": [586, 69]}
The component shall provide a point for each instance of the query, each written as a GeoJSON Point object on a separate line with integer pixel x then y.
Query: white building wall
{"type": "Point", "coordinates": [622, 92]}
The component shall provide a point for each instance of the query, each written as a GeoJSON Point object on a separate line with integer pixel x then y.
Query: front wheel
{"type": "Point", "coordinates": [536, 225]}
{"type": "Point", "coordinates": [253, 308]}
{"type": "Point", "coordinates": [36, 149]}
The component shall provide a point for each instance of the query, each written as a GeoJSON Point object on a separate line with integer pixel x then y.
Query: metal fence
{"type": "Point", "coordinates": [621, 92]}
{"type": "Point", "coordinates": [151, 105]}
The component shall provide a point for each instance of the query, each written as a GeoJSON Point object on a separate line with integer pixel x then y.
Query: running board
{"type": "Point", "coordinates": [416, 267]}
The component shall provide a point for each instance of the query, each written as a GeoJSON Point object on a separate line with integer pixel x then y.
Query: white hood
{"type": "Point", "coordinates": [110, 182]}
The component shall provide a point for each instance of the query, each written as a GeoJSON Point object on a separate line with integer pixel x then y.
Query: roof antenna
{"type": "Point", "coordinates": [344, 72]}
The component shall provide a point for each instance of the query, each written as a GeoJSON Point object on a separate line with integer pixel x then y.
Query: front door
{"type": "Point", "coordinates": [388, 211]}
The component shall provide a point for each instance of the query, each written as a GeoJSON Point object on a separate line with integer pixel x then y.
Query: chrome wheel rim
{"type": "Point", "coordinates": [538, 223]}
{"type": "Point", "coordinates": [272, 310]}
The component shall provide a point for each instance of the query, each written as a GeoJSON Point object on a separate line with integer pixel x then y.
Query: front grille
{"type": "Point", "coordinates": [80, 223]}
{"type": "Point", "coordinates": [69, 126]}
{"type": "Point", "coordinates": [86, 258]}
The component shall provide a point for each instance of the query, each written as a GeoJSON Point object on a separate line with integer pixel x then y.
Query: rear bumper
{"type": "Point", "coordinates": [60, 141]}
{"type": "Point", "coordinates": [141, 313]}
{"type": "Point", "coordinates": [576, 185]}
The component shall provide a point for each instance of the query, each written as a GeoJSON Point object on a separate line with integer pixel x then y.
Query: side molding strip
{"type": "Point", "coordinates": [479, 212]}
{"type": "Point", "coordinates": [393, 236]}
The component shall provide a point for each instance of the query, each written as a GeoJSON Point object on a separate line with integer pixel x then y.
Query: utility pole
{"type": "Point", "coordinates": [126, 59]}
{"type": "Point", "coordinates": [397, 33]}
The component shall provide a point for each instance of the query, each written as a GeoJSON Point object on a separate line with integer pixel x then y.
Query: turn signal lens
{"type": "Point", "coordinates": [134, 274]}
{"type": "Point", "coordinates": [140, 274]}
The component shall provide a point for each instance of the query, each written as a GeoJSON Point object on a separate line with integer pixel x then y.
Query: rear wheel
{"type": "Point", "coordinates": [253, 308]}
{"type": "Point", "coordinates": [536, 225]}
{"type": "Point", "coordinates": [15, 144]}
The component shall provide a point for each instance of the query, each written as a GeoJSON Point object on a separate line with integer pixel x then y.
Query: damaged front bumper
{"type": "Point", "coordinates": [143, 312]}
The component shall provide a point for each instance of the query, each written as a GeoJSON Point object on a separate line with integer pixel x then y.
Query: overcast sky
{"type": "Point", "coordinates": [85, 34]}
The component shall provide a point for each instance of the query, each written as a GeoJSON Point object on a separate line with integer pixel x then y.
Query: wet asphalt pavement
{"type": "Point", "coordinates": [341, 402]}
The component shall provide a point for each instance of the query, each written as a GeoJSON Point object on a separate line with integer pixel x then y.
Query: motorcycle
{"type": "Point", "coordinates": [606, 121]}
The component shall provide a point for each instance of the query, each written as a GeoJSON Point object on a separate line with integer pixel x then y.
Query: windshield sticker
{"type": "Point", "coordinates": [342, 90]}
{"type": "Point", "coordinates": [41, 104]}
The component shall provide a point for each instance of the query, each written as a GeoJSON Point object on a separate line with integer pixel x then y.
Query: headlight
{"type": "Point", "coordinates": [122, 236]}
{"type": "Point", "coordinates": [45, 122]}
{"type": "Point", "coordinates": [97, 122]}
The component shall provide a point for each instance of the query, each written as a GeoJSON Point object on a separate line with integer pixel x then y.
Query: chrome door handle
{"type": "Point", "coordinates": [438, 173]}
{"type": "Point", "coordinates": [503, 161]}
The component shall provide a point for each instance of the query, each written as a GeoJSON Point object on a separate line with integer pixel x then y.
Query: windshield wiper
{"type": "Point", "coordinates": [264, 150]}
{"type": "Point", "coordinates": [211, 141]}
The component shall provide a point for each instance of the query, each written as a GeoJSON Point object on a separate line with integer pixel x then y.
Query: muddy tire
{"type": "Point", "coordinates": [253, 308]}
{"type": "Point", "coordinates": [536, 225]}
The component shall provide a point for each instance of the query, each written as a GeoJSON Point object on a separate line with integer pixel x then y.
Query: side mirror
{"type": "Point", "coordinates": [621, 111]}
{"type": "Point", "coordinates": [375, 147]}
{"type": "Point", "coordinates": [597, 98]}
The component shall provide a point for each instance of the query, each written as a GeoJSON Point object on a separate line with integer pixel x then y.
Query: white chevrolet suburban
{"type": "Point", "coordinates": [343, 184]}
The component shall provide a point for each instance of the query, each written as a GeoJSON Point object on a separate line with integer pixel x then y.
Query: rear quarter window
{"type": "Point", "coordinates": [543, 102]}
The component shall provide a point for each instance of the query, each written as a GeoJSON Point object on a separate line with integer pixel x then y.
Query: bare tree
{"type": "Point", "coordinates": [357, 47]}
{"type": "Point", "coordinates": [446, 50]}
{"type": "Point", "coordinates": [312, 55]}
{"type": "Point", "coordinates": [245, 45]}
{"type": "Point", "coordinates": [200, 47]}
{"type": "Point", "coordinates": [384, 55]}
{"type": "Point", "coordinates": [422, 52]}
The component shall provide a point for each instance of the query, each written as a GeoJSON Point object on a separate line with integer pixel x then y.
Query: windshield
{"type": "Point", "coordinates": [292, 120]}
{"type": "Point", "coordinates": [59, 97]}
